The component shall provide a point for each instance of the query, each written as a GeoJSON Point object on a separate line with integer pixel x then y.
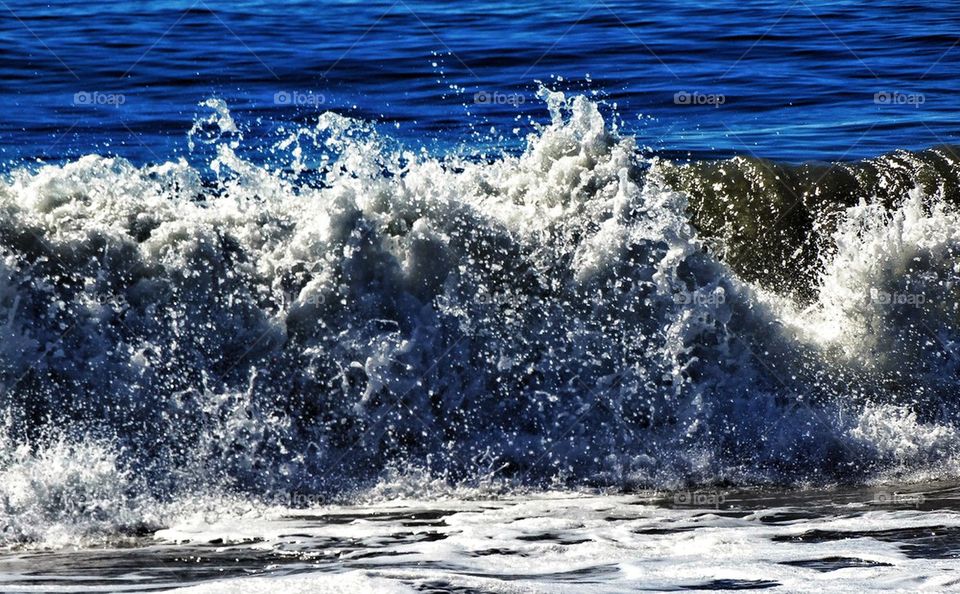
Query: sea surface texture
{"type": "Point", "coordinates": [479, 296]}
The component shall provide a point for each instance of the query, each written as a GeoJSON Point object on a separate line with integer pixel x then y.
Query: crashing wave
{"type": "Point", "coordinates": [566, 315]}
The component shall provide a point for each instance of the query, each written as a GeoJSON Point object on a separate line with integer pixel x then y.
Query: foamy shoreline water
{"type": "Point", "coordinates": [831, 541]}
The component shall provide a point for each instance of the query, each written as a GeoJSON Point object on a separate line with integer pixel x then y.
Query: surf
{"type": "Point", "coordinates": [576, 314]}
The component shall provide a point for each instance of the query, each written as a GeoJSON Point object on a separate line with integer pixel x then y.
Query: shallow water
{"type": "Point", "coordinates": [830, 541]}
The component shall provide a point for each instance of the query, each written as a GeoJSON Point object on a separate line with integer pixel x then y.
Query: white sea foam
{"type": "Point", "coordinates": [543, 318]}
{"type": "Point", "coordinates": [566, 542]}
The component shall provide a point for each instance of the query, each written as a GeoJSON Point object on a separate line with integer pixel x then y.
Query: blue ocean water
{"type": "Point", "coordinates": [509, 294]}
{"type": "Point", "coordinates": [788, 80]}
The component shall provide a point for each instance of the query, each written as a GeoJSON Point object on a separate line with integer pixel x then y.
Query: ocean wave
{"type": "Point", "coordinates": [572, 315]}
{"type": "Point", "coordinates": [755, 211]}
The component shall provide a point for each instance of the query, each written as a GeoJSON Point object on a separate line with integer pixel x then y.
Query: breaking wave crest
{"type": "Point", "coordinates": [575, 314]}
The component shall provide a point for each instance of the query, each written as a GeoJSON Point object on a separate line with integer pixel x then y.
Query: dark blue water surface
{"type": "Point", "coordinates": [785, 80]}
